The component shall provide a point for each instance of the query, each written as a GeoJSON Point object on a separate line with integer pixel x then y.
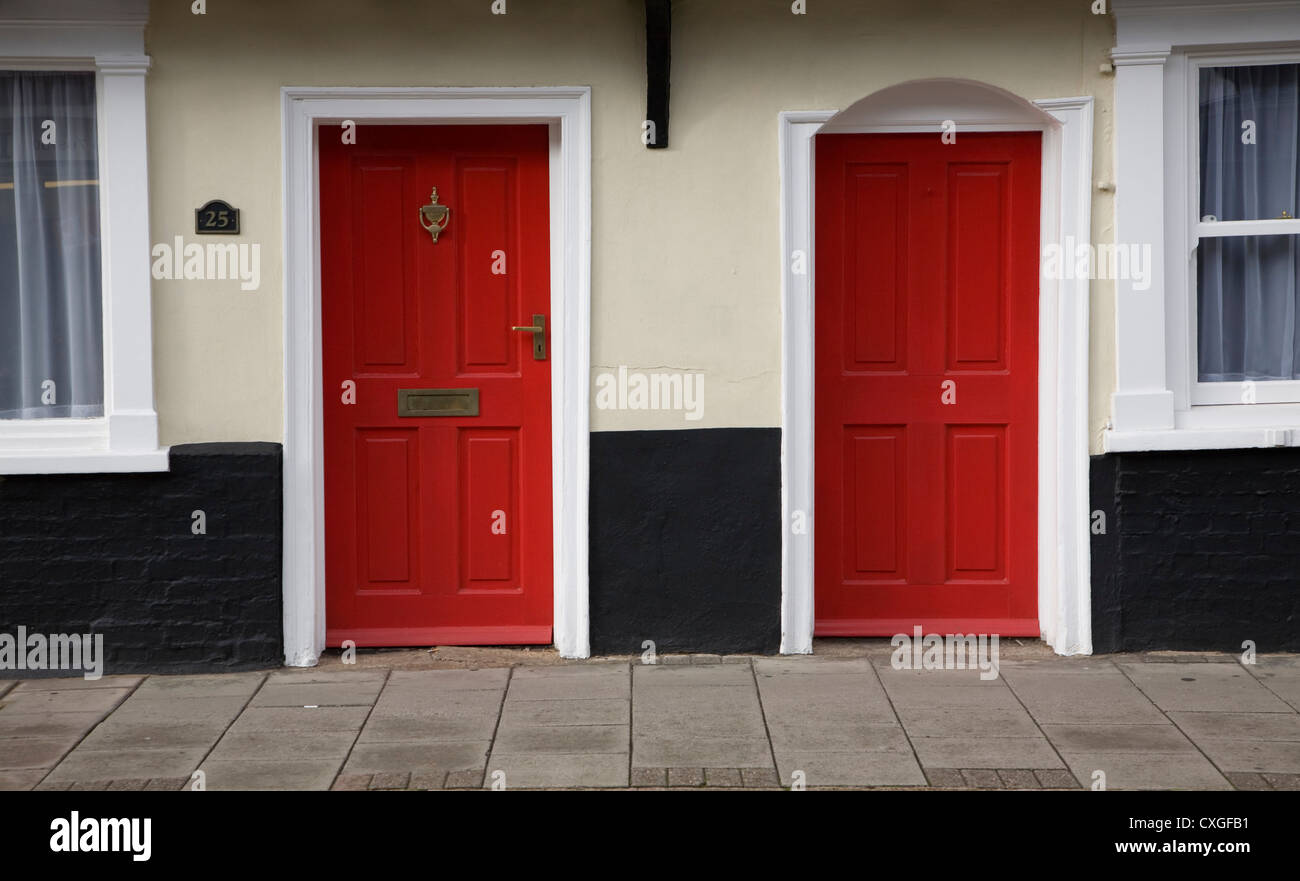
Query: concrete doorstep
{"type": "Point", "coordinates": [837, 720]}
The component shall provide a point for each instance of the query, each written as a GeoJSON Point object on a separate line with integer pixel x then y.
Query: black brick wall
{"type": "Point", "coordinates": [114, 554]}
{"type": "Point", "coordinates": [1201, 551]}
{"type": "Point", "coordinates": [686, 540]}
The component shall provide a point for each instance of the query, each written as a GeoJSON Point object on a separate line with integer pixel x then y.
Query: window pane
{"type": "Point", "coordinates": [51, 340]}
{"type": "Point", "coordinates": [1246, 317]}
{"type": "Point", "coordinates": [1250, 122]}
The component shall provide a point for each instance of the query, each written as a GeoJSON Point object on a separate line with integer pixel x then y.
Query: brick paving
{"type": "Point", "coordinates": [689, 722]}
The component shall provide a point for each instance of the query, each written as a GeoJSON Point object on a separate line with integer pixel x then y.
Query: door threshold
{"type": "Point", "coordinates": [382, 637]}
{"type": "Point", "coordinates": [907, 626]}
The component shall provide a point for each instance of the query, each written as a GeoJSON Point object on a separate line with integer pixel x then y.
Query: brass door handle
{"type": "Point", "coordinates": [538, 330]}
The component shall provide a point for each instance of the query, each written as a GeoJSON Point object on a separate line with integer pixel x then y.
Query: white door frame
{"type": "Point", "coordinates": [1064, 595]}
{"type": "Point", "coordinates": [567, 110]}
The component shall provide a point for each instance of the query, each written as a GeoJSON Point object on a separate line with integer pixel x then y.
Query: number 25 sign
{"type": "Point", "coordinates": [216, 217]}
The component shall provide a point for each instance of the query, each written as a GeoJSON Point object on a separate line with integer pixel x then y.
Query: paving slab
{"type": "Point", "coordinates": [830, 690]}
{"type": "Point", "coordinates": [449, 705]}
{"type": "Point", "coordinates": [570, 682]}
{"type": "Point", "coordinates": [684, 751]}
{"type": "Point", "coordinates": [72, 683]}
{"type": "Point", "coordinates": [560, 739]}
{"type": "Point", "coordinates": [723, 777]}
{"type": "Point", "coordinates": [20, 781]}
{"type": "Point", "coordinates": [1280, 676]}
{"type": "Point", "coordinates": [969, 678]}
{"type": "Point", "coordinates": [196, 711]}
{"type": "Point", "coordinates": [202, 686]}
{"type": "Point", "coordinates": [1273, 757]}
{"type": "Point", "coordinates": [116, 733]}
{"type": "Point", "coordinates": [919, 694]}
{"type": "Point", "coordinates": [985, 752]}
{"type": "Point", "coordinates": [724, 711]}
{"type": "Point", "coordinates": [1241, 726]}
{"type": "Point", "coordinates": [850, 768]}
{"type": "Point", "coordinates": [299, 719]}
{"type": "Point", "coordinates": [558, 771]}
{"type": "Point", "coordinates": [705, 716]}
{"type": "Point", "coordinates": [489, 679]}
{"type": "Point", "coordinates": [654, 676]}
{"type": "Point", "coordinates": [427, 728]}
{"type": "Point", "coordinates": [811, 665]}
{"type": "Point", "coordinates": [284, 745]}
{"type": "Point", "coordinates": [808, 734]}
{"type": "Point", "coordinates": [24, 753]}
{"type": "Point", "coordinates": [1118, 739]}
{"type": "Point", "coordinates": [48, 724]}
{"type": "Point", "coordinates": [597, 711]}
{"type": "Point", "coordinates": [1101, 694]}
{"type": "Point", "coordinates": [1203, 687]}
{"type": "Point", "coordinates": [321, 694]}
{"type": "Point", "coordinates": [99, 700]}
{"type": "Point", "coordinates": [315, 675]}
{"type": "Point", "coordinates": [1140, 771]}
{"type": "Point", "coordinates": [298, 774]}
{"type": "Point", "coordinates": [119, 764]}
{"type": "Point", "coordinates": [1283, 782]}
{"type": "Point", "coordinates": [1009, 721]}
{"type": "Point", "coordinates": [383, 758]}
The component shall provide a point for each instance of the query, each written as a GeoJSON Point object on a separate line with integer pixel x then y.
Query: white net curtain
{"type": "Point", "coordinates": [51, 320]}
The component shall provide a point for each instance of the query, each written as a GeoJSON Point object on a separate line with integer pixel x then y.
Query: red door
{"type": "Point", "coordinates": [436, 412]}
{"type": "Point", "coordinates": [926, 384]}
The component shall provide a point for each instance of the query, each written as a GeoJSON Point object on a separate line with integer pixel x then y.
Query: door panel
{"type": "Point", "coordinates": [438, 528]}
{"type": "Point", "coordinates": [926, 383]}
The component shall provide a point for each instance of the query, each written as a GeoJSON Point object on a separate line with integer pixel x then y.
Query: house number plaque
{"type": "Point", "coordinates": [216, 218]}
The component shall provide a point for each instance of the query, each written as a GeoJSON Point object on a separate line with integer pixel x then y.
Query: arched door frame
{"type": "Point", "coordinates": [1064, 594]}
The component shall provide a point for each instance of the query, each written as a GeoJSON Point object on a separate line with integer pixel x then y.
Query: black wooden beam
{"type": "Point", "coordinates": [658, 39]}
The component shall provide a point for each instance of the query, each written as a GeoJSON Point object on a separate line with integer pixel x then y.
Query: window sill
{"type": "Point", "coordinates": [1199, 439]}
{"type": "Point", "coordinates": [83, 461]}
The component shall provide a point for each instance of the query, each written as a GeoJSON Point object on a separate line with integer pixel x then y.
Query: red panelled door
{"type": "Point", "coordinates": [926, 384]}
{"type": "Point", "coordinates": [437, 518]}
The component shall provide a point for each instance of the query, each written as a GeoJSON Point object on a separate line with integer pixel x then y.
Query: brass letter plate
{"type": "Point", "coordinates": [437, 402]}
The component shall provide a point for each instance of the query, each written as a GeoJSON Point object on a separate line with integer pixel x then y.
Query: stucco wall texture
{"type": "Point", "coordinates": [686, 260]}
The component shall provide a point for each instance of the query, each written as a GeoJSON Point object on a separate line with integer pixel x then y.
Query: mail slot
{"type": "Point", "coordinates": [437, 402]}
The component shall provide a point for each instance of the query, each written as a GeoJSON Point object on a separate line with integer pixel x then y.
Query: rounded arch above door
{"type": "Point", "coordinates": [968, 103]}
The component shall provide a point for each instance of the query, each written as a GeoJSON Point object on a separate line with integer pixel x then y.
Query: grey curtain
{"type": "Point", "coordinates": [51, 318]}
{"type": "Point", "coordinates": [1248, 322]}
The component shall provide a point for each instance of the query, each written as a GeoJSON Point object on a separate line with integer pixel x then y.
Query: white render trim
{"type": "Point", "coordinates": [1158, 403]}
{"type": "Point", "coordinates": [1201, 439]}
{"type": "Point", "coordinates": [1064, 600]}
{"type": "Point", "coordinates": [107, 38]}
{"type": "Point", "coordinates": [81, 461]}
{"type": "Point", "coordinates": [568, 112]}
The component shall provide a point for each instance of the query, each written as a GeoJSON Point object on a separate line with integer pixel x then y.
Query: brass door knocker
{"type": "Point", "coordinates": [434, 217]}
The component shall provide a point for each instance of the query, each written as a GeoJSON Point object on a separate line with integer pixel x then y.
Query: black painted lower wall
{"type": "Point", "coordinates": [116, 554]}
{"type": "Point", "coordinates": [686, 540]}
{"type": "Point", "coordinates": [1201, 550]}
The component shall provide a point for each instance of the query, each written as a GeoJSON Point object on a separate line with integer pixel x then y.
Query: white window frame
{"type": "Point", "coordinates": [106, 37]}
{"type": "Point", "coordinates": [1158, 403]}
{"type": "Point", "coordinates": [1225, 393]}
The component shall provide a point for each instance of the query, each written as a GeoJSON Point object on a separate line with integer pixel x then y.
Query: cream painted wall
{"type": "Point", "coordinates": [686, 269]}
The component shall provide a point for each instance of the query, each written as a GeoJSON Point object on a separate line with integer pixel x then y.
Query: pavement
{"type": "Point", "coordinates": [843, 717]}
